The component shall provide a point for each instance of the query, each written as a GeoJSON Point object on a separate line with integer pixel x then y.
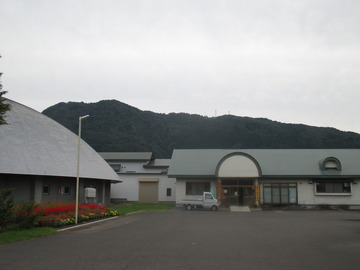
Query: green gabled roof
{"type": "Point", "coordinates": [273, 162]}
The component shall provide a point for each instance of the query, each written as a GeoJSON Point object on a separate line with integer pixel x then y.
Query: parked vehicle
{"type": "Point", "coordinates": [208, 202]}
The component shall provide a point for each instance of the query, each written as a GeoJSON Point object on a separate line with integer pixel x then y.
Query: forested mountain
{"type": "Point", "coordinates": [115, 126]}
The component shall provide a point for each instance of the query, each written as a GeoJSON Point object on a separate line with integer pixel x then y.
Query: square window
{"type": "Point", "coordinates": [64, 190]}
{"type": "Point", "coordinates": [67, 190]}
{"type": "Point", "coordinates": [46, 189]}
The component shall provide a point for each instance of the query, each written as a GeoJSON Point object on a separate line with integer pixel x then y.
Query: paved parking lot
{"type": "Point", "coordinates": [181, 239]}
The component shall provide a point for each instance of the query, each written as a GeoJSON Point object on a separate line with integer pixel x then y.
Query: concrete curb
{"type": "Point", "coordinates": [85, 224]}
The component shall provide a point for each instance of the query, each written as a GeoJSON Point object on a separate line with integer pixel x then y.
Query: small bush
{"type": "Point", "coordinates": [25, 217]}
{"type": "Point", "coordinates": [6, 208]}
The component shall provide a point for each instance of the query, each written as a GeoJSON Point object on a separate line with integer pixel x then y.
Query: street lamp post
{"type": "Point", "coordinates": [78, 169]}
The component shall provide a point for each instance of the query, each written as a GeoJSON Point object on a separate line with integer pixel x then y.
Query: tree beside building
{"type": "Point", "coordinates": [3, 106]}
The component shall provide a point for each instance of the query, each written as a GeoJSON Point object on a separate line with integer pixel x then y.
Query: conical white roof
{"type": "Point", "coordinates": [33, 144]}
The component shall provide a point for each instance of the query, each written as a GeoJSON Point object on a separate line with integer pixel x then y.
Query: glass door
{"type": "Point", "coordinates": [238, 196]}
{"type": "Point", "coordinates": [229, 196]}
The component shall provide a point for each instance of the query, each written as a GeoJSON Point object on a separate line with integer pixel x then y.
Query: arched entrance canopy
{"type": "Point", "coordinates": [238, 165]}
{"type": "Point", "coordinates": [236, 173]}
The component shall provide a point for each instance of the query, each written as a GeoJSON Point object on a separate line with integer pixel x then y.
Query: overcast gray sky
{"type": "Point", "coordinates": [293, 61]}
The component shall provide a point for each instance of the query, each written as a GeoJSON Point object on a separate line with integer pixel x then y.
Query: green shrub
{"type": "Point", "coordinates": [25, 217]}
{"type": "Point", "coordinates": [6, 208]}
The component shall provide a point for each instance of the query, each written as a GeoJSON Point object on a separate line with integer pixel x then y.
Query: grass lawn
{"type": "Point", "coordinates": [136, 207]}
{"type": "Point", "coordinates": [20, 235]}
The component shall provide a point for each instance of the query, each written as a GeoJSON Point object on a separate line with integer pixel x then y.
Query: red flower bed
{"type": "Point", "coordinates": [63, 213]}
{"type": "Point", "coordinates": [59, 209]}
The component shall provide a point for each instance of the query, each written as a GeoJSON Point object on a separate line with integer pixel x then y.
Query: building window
{"type": "Point", "coordinates": [46, 189]}
{"type": "Point", "coordinates": [67, 190]}
{"type": "Point", "coordinates": [197, 188]}
{"type": "Point", "coordinates": [116, 167]}
{"type": "Point", "coordinates": [330, 163]}
{"type": "Point", "coordinates": [328, 187]}
{"type": "Point", "coordinates": [64, 190]}
{"type": "Point", "coordinates": [280, 193]}
{"type": "Point", "coordinates": [168, 192]}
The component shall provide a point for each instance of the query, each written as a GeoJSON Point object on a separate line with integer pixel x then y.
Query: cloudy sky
{"type": "Point", "coordinates": [293, 61]}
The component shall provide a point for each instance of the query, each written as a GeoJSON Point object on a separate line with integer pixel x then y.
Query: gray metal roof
{"type": "Point", "coordinates": [159, 163]}
{"type": "Point", "coordinates": [34, 144]}
{"type": "Point", "coordinates": [130, 156]}
{"type": "Point", "coordinates": [273, 162]}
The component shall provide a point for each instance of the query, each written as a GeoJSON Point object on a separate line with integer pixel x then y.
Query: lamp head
{"type": "Point", "coordinates": [83, 117]}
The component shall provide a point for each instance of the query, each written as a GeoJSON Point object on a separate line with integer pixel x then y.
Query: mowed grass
{"type": "Point", "coordinates": [133, 207]}
{"type": "Point", "coordinates": [25, 234]}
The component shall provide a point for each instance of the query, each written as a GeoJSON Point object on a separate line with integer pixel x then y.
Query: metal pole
{"type": "Point", "coordinates": [78, 170]}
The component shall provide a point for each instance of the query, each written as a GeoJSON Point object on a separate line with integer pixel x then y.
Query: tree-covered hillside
{"type": "Point", "coordinates": [115, 126]}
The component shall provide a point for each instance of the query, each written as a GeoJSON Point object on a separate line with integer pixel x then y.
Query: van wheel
{"type": "Point", "coordinates": [189, 207]}
{"type": "Point", "coordinates": [214, 208]}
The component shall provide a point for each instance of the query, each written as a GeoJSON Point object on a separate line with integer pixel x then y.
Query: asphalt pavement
{"type": "Point", "coordinates": [180, 239]}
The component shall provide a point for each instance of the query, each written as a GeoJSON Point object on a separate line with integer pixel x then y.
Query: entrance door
{"type": "Point", "coordinates": [234, 192]}
{"type": "Point", "coordinates": [233, 196]}
{"type": "Point", "coordinates": [148, 192]}
{"type": "Point", "coordinates": [249, 195]}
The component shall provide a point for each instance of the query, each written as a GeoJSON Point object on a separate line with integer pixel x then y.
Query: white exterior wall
{"type": "Point", "coordinates": [164, 184]}
{"type": "Point", "coordinates": [132, 166]}
{"type": "Point", "coordinates": [128, 189]}
{"type": "Point", "coordinates": [181, 189]}
{"type": "Point", "coordinates": [131, 172]}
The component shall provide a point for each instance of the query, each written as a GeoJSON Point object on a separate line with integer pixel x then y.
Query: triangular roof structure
{"type": "Point", "coordinates": [33, 144]}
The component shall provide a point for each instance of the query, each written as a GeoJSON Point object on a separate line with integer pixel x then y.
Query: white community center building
{"type": "Point", "coordinates": [259, 177]}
